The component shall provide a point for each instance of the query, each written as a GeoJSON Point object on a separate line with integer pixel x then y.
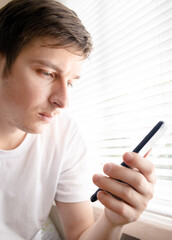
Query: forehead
{"type": "Point", "coordinates": [44, 50]}
{"type": "Point", "coordinates": [53, 44]}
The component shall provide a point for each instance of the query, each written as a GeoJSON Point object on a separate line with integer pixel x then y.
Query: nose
{"type": "Point", "coordinates": [59, 94]}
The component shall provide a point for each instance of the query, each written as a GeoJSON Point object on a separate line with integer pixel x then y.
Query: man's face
{"type": "Point", "coordinates": [37, 86]}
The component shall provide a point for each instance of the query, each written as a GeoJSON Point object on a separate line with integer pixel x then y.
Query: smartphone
{"type": "Point", "coordinates": [144, 147]}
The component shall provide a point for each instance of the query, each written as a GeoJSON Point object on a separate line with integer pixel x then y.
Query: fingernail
{"type": "Point", "coordinates": [96, 177]}
{"type": "Point", "coordinates": [101, 195]}
{"type": "Point", "coordinates": [128, 156]}
{"type": "Point", "coordinates": [107, 168]}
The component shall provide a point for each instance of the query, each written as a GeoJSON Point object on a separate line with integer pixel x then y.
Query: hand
{"type": "Point", "coordinates": [125, 201]}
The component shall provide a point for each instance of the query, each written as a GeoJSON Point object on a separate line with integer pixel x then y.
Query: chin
{"type": "Point", "coordinates": [34, 129]}
{"type": "Point", "coordinates": [38, 130]}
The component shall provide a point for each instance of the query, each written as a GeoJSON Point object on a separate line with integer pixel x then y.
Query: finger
{"type": "Point", "coordinates": [120, 191]}
{"type": "Point", "coordinates": [130, 176]}
{"type": "Point", "coordinates": [117, 206]}
{"type": "Point", "coordinates": [146, 167]}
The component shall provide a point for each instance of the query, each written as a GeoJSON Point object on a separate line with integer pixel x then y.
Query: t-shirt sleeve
{"type": "Point", "coordinates": [74, 183]}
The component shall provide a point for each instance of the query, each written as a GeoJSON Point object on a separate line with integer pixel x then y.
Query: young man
{"type": "Point", "coordinates": [42, 155]}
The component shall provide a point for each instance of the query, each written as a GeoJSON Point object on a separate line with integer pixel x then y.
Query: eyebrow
{"type": "Point", "coordinates": [51, 65]}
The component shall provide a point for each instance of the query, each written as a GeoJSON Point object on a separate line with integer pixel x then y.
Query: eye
{"type": "Point", "coordinates": [47, 74]}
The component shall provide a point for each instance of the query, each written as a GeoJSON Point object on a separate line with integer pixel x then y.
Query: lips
{"type": "Point", "coordinates": [46, 117]}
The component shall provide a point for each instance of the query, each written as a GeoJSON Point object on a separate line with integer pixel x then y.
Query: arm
{"type": "Point", "coordinates": [75, 218]}
{"type": "Point", "coordinates": [78, 223]}
{"type": "Point", "coordinates": [131, 200]}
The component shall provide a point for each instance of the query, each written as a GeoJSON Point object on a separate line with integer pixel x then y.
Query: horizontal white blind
{"type": "Point", "coordinates": [126, 85]}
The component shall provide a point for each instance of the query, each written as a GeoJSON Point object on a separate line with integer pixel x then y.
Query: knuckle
{"type": "Point", "coordinates": [132, 218]}
{"type": "Point", "coordinates": [135, 217]}
{"type": "Point", "coordinates": [127, 193]}
{"type": "Point", "coordinates": [153, 177]}
{"type": "Point", "coordinates": [144, 205]}
{"type": "Point", "coordinates": [151, 168]}
{"type": "Point", "coordinates": [130, 214]}
{"type": "Point", "coordinates": [139, 182]}
{"type": "Point", "coordinates": [122, 209]}
{"type": "Point", "coordinates": [151, 193]}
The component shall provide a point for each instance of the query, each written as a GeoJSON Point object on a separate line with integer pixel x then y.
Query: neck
{"type": "Point", "coordinates": [11, 138]}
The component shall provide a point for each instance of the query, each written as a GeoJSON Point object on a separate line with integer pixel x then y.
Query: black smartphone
{"type": "Point", "coordinates": [145, 145]}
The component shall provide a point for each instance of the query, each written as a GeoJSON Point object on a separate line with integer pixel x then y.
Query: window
{"type": "Point", "coordinates": [126, 85]}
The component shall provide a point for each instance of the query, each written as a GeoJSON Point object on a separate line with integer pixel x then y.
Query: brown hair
{"type": "Point", "coordinates": [22, 21]}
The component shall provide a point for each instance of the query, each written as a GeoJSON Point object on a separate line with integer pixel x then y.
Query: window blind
{"type": "Point", "coordinates": [126, 85]}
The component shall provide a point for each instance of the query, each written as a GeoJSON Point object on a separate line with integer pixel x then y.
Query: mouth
{"type": "Point", "coordinates": [46, 117]}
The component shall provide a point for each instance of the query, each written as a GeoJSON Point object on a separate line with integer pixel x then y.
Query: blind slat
{"type": "Point", "coordinates": [126, 86]}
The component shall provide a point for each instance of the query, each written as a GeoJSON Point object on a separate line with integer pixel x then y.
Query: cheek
{"type": "Point", "coordinates": [27, 93]}
{"type": "Point", "coordinates": [24, 90]}
{"type": "Point", "coordinates": [32, 97]}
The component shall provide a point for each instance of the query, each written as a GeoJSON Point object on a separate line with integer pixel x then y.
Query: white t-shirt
{"type": "Point", "coordinates": [44, 167]}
